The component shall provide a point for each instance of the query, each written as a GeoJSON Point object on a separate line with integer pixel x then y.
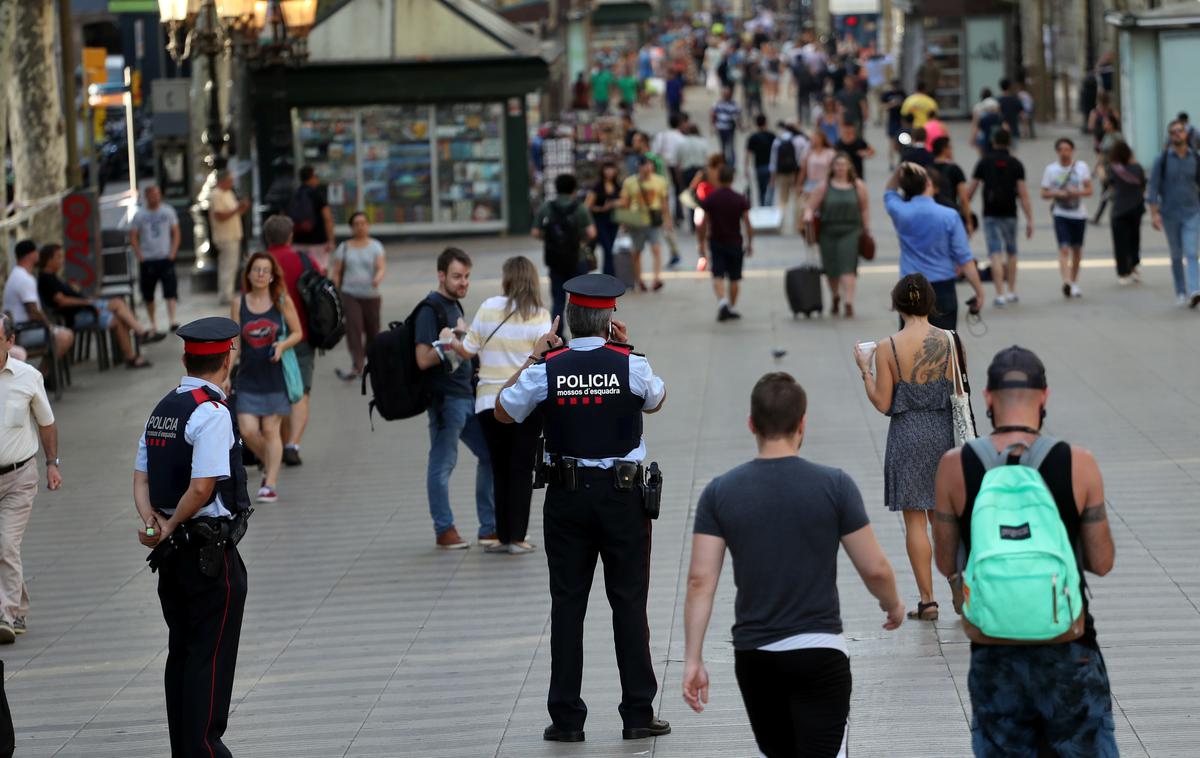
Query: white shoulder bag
{"type": "Point", "coordinates": [960, 398]}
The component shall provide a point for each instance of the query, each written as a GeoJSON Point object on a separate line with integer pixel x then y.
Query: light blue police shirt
{"type": "Point", "coordinates": [209, 431]}
{"type": "Point", "coordinates": [531, 388]}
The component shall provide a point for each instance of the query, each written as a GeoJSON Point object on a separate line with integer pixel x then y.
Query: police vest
{"type": "Point", "coordinates": [169, 455]}
{"type": "Point", "coordinates": [590, 411]}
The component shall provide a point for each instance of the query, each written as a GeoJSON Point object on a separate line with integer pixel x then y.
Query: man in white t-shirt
{"type": "Point", "coordinates": [1066, 182]}
{"type": "Point", "coordinates": [225, 222]}
{"type": "Point", "coordinates": [21, 301]}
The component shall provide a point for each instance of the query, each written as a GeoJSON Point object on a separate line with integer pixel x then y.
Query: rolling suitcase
{"type": "Point", "coordinates": [803, 285]}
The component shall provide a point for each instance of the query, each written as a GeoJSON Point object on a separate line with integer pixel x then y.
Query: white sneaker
{"type": "Point", "coordinates": [1181, 300]}
{"type": "Point", "coordinates": [1124, 281]}
{"type": "Point", "coordinates": [1012, 298]}
{"type": "Point", "coordinates": [1075, 291]}
{"type": "Point", "coordinates": [1000, 301]}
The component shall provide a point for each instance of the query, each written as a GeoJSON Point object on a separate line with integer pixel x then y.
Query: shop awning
{"type": "Point", "coordinates": [621, 12]}
{"type": "Point", "coordinates": [1175, 16]}
{"type": "Point", "coordinates": [422, 30]}
{"type": "Point", "coordinates": [133, 6]}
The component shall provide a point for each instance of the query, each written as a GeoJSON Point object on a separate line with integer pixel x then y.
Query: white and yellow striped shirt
{"type": "Point", "coordinates": [506, 350]}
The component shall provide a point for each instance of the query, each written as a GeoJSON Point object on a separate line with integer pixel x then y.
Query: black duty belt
{"type": "Point", "coordinates": [14, 466]}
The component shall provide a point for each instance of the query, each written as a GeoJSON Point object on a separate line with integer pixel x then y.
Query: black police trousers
{"type": "Point", "coordinates": [204, 616]}
{"type": "Point", "coordinates": [597, 520]}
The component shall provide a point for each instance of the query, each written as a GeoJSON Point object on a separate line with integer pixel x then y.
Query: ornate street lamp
{"type": "Point", "coordinates": [258, 32]}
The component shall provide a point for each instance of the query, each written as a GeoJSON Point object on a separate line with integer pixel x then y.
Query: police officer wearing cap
{"type": "Point", "coordinates": [599, 498]}
{"type": "Point", "coordinates": [189, 487]}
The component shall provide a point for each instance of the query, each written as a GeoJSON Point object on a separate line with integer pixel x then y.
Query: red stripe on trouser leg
{"type": "Point", "coordinates": [212, 690]}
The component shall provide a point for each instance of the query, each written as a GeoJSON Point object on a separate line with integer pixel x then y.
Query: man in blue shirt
{"type": "Point", "coordinates": [1175, 208]}
{"type": "Point", "coordinates": [932, 241]}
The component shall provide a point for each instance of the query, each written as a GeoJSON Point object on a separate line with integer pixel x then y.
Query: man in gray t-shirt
{"type": "Point", "coordinates": [154, 237]}
{"type": "Point", "coordinates": [783, 519]}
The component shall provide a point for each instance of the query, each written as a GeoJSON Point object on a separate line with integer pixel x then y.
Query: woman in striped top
{"type": "Point", "coordinates": [503, 334]}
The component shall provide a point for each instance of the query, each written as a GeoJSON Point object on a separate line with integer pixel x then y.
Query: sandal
{"type": "Point", "coordinates": [138, 362]}
{"type": "Point", "coordinates": [925, 611]}
{"type": "Point", "coordinates": [837, 305]}
{"type": "Point", "coordinates": [849, 310]}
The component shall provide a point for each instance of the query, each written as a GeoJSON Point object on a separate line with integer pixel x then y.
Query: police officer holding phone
{"type": "Point", "coordinates": [599, 498]}
{"type": "Point", "coordinates": [189, 487]}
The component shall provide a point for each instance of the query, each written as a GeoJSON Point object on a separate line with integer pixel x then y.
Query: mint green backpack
{"type": "Point", "coordinates": [1021, 581]}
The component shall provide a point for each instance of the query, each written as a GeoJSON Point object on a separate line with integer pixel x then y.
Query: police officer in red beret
{"type": "Point", "coordinates": [599, 498]}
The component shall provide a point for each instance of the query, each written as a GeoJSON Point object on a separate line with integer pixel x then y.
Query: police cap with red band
{"type": "Point", "coordinates": [208, 336]}
{"type": "Point", "coordinates": [594, 291]}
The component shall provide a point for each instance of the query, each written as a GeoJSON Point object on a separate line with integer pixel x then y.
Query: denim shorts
{"type": "Point", "coordinates": [1001, 233]}
{"type": "Point", "coordinates": [1069, 231]}
{"type": "Point", "coordinates": [641, 235]}
{"type": "Point", "coordinates": [87, 317]}
{"type": "Point", "coordinates": [1030, 697]}
{"type": "Point", "coordinates": [263, 404]}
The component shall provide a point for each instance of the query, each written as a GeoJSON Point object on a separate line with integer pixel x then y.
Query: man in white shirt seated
{"type": "Point", "coordinates": [22, 303]}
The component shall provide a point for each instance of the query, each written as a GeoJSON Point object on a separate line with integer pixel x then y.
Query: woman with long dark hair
{"type": "Point", "coordinates": [912, 384]}
{"type": "Point", "coordinates": [1127, 188]}
{"type": "Point", "coordinates": [262, 311]}
{"type": "Point", "coordinates": [503, 334]}
{"type": "Point", "coordinates": [602, 200]}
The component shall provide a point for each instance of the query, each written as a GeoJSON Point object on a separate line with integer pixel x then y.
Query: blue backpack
{"type": "Point", "coordinates": [1021, 583]}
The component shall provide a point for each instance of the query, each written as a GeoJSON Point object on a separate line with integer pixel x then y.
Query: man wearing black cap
{"type": "Point", "coordinates": [1053, 693]}
{"type": "Point", "coordinates": [189, 487]}
{"type": "Point", "coordinates": [599, 499]}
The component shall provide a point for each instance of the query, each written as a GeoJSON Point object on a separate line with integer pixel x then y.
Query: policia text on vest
{"type": "Point", "coordinates": [600, 498]}
{"type": "Point", "coordinates": [190, 492]}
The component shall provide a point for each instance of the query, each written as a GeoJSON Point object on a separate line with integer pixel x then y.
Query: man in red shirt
{"type": "Point", "coordinates": [277, 232]}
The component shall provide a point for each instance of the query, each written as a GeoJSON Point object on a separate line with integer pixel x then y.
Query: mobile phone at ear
{"type": "Point", "coordinates": [610, 330]}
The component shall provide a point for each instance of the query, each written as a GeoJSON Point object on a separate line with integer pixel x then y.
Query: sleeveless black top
{"type": "Point", "coordinates": [1056, 471]}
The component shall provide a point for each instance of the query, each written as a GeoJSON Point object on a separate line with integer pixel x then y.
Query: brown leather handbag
{"type": "Point", "coordinates": [866, 246]}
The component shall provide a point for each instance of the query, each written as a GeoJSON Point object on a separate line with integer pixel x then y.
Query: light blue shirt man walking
{"type": "Point", "coordinates": [932, 241]}
{"type": "Point", "coordinates": [1175, 209]}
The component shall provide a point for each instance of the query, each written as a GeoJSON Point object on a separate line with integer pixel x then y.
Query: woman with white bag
{"type": "Point", "coordinates": [920, 383]}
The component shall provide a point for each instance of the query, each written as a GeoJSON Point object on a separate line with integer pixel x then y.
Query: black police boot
{"type": "Point", "coordinates": [656, 728]}
{"type": "Point", "coordinates": [554, 733]}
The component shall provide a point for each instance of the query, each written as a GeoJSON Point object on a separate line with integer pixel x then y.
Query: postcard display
{"type": "Point", "coordinates": [409, 166]}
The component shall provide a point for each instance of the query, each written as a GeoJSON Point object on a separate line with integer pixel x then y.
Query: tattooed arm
{"type": "Point", "coordinates": [1098, 550]}
{"type": "Point", "coordinates": [950, 492]}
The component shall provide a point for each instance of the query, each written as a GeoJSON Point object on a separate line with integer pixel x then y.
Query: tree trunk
{"type": "Point", "coordinates": [7, 11]}
{"type": "Point", "coordinates": [35, 116]}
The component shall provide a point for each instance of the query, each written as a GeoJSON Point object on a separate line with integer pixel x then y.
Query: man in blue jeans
{"type": "Point", "coordinates": [932, 241]}
{"type": "Point", "coordinates": [1175, 209]}
{"type": "Point", "coordinates": [452, 416]}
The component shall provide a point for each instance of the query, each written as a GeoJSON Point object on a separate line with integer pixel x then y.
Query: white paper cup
{"type": "Point", "coordinates": [865, 348]}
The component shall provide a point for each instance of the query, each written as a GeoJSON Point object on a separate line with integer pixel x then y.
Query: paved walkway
{"type": "Point", "coordinates": [360, 639]}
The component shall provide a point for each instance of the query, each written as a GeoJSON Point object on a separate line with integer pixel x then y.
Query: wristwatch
{"type": "Point", "coordinates": [54, 462]}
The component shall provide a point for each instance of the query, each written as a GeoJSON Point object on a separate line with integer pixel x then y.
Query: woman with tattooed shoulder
{"type": "Point", "coordinates": [912, 384]}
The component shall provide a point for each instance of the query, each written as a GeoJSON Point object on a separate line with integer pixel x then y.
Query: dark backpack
{"type": "Point", "coordinates": [323, 305]}
{"type": "Point", "coordinates": [562, 238]}
{"type": "Point", "coordinates": [785, 158]}
{"type": "Point", "coordinates": [399, 388]}
{"type": "Point", "coordinates": [301, 211]}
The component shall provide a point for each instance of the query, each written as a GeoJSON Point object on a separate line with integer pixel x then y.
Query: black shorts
{"type": "Point", "coordinates": [153, 272]}
{"type": "Point", "coordinates": [726, 261]}
{"type": "Point", "coordinates": [798, 701]}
